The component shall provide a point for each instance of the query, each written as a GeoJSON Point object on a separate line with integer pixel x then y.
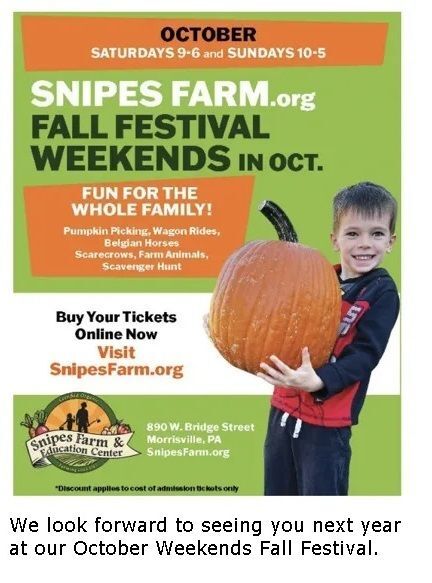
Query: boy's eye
{"type": "Point", "coordinates": [351, 234]}
{"type": "Point", "coordinates": [378, 234]}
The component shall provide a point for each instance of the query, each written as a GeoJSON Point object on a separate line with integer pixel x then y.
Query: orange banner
{"type": "Point", "coordinates": [175, 228]}
{"type": "Point", "coordinates": [60, 43]}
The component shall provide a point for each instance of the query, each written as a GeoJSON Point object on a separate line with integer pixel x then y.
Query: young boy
{"type": "Point", "coordinates": [307, 449]}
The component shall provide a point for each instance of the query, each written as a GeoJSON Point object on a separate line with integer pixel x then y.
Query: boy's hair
{"type": "Point", "coordinates": [367, 199]}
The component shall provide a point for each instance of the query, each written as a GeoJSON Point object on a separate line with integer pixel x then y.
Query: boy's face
{"type": "Point", "coordinates": [362, 242]}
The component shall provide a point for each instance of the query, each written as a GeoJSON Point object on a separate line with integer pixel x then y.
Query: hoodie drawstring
{"type": "Point", "coordinates": [284, 419]}
{"type": "Point", "coordinates": [297, 427]}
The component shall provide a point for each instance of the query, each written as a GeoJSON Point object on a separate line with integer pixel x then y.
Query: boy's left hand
{"type": "Point", "coordinates": [304, 377]}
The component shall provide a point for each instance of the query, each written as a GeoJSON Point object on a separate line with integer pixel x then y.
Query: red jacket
{"type": "Point", "coordinates": [370, 307]}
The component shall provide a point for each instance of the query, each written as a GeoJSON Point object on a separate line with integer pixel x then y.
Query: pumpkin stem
{"type": "Point", "coordinates": [279, 220]}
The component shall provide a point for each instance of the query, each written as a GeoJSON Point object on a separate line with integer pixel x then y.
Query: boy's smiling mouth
{"type": "Point", "coordinates": [363, 257]}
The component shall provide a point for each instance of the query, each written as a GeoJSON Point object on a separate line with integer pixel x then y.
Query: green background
{"type": "Point", "coordinates": [375, 468]}
{"type": "Point", "coordinates": [355, 129]}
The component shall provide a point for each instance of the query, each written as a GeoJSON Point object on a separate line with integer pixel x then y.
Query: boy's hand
{"type": "Point", "coordinates": [206, 324]}
{"type": "Point", "coordinates": [304, 378]}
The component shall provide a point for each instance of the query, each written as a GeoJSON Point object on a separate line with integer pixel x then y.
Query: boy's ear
{"type": "Point", "coordinates": [334, 242]}
{"type": "Point", "coordinates": [391, 241]}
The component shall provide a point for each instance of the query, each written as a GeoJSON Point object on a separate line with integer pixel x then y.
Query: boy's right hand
{"type": "Point", "coordinates": [206, 325]}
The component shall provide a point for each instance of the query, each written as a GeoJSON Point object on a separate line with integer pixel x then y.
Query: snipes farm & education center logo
{"type": "Point", "coordinates": [76, 432]}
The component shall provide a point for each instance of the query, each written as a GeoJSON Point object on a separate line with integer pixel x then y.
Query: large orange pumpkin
{"type": "Point", "coordinates": [275, 297]}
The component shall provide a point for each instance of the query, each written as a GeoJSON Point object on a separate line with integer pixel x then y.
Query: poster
{"type": "Point", "coordinates": [140, 167]}
{"type": "Point", "coordinates": [55, 511]}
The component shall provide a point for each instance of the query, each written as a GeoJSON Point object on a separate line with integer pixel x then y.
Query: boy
{"type": "Point", "coordinates": [307, 449]}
